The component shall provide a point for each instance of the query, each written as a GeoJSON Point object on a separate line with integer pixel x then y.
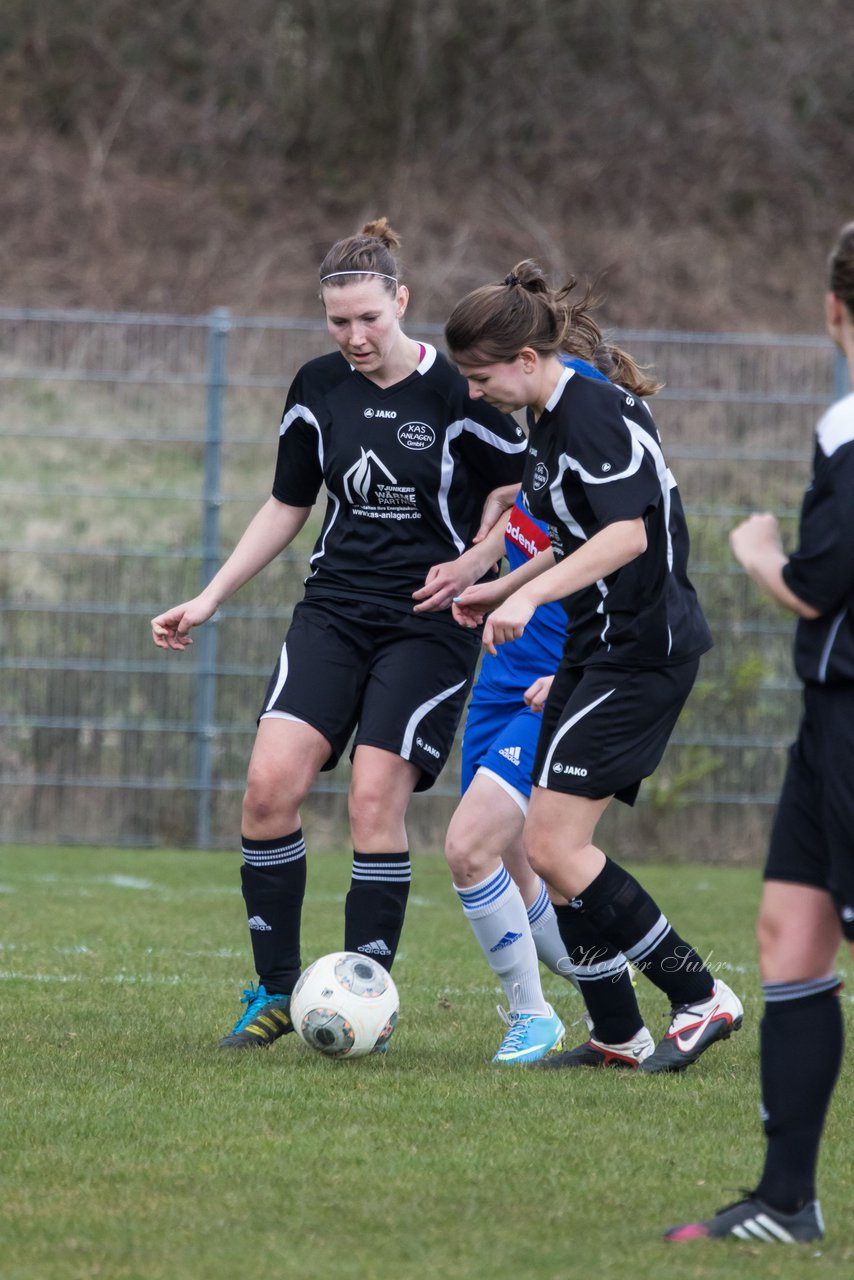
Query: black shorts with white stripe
{"type": "Point", "coordinates": [606, 728]}
{"type": "Point", "coordinates": [399, 680]}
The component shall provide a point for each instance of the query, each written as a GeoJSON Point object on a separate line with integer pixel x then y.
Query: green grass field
{"type": "Point", "coordinates": [132, 1149]}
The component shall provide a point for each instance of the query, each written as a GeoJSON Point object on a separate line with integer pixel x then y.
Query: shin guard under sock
{"type": "Point", "coordinates": [376, 904]}
{"type": "Point", "coordinates": [624, 913]}
{"type": "Point", "coordinates": [603, 978]}
{"type": "Point", "coordinates": [801, 1044]}
{"type": "Point", "coordinates": [273, 876]}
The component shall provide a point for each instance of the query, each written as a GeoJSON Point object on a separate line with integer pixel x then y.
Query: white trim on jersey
{"type": "Point", "coordinates": [419, 714]}
{"type": "Point", "coordinates": [836, 426]}
{"type": "Point", "coordinates": [568, 372]}
{"type": "Point", "coordinates": [428, 359]}
{"type": "Point", "coordinates": [824, 660]}
{"type": "Point", "coordinates": [544, 773]}
{"type": "Point", "coordinates": [303, 412]}
{"type": "Point", "coordinates": [641, 440]}
{"type": "Point", "coordinates": [453, 430]}
{"type": "Point", "coordinates": [321, 550]}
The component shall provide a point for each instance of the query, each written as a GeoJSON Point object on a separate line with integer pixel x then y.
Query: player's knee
{"type": "Point", "coordinates": [465, 859]}
{"type": "Point", "coordinates": [768, 933]}
{"type": "Point", "coordinates": [267, 803]}
{"type": "Point", "coordinates": [541, 858]}
{"type": "Point", "coordinates": [373, 815]}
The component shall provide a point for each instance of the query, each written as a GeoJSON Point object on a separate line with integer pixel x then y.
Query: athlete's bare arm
{"type": "Point", "coordinates": [271, 529]}
{"type": "Point", "coordinates": [758, 548]}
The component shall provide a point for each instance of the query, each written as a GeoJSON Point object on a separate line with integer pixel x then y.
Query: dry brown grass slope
{"type": "Point", "coordinates": [696, 157]}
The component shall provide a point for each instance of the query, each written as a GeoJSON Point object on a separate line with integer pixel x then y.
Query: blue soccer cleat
{"type": "Point", "coordinates": [266, 1018]}
{"type": "Point", "coordinates": [530, 1036]}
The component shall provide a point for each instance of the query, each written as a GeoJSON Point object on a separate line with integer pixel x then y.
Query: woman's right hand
{"type": "Point", "coordinates": [170, 630]}
{"type": "Point", "coordinates": [537, 694]}
{"type": "Point", "coordinates": [495, 508]}
{"type": "Point", "coordinates": [471, 607]}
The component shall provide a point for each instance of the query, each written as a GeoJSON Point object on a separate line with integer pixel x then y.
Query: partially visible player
{"type": "Point", "coordinates": [595, 472]}
{"type": "Point", "coordinates": [807, 905]}
{"type": "Point", "coordinates": [385, 428]}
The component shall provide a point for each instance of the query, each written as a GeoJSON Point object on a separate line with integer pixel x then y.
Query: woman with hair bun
{"type": "Point", "coordinates": [385, 425]}
{"type": "Point", "coordinates": [595, 473]}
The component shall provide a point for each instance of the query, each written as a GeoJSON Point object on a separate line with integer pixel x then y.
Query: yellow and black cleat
{"type": "Point", "coordinates": [266, 1018]}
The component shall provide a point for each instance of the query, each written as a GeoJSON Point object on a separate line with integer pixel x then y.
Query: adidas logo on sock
{"type": "Point", "coordinates": [256, 922]}
{"type": "Point", "coordinates": [377, 948]}
{"type": "Point", "coordinates": [513, 754]}
{"type": "Point", "coordinates": [507, 941]}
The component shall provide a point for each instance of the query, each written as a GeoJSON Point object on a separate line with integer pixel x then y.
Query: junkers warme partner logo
{"type": "Point", "coordinates": [416, 435]}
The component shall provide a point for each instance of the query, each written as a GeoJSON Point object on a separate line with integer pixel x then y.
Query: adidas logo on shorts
{"type": "Point", "coordinates": [513, 754]}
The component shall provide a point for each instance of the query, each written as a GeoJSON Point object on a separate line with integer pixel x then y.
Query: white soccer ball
{"type": "Point", "coordinates": [344, 1005]}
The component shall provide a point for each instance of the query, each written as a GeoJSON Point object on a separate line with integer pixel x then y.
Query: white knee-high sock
{"type": "Point", "coordinates": [546, 935]}
{"type": "Point", "coordinates": [496, 912]}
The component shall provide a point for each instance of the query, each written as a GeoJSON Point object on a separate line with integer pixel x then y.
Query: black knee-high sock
{"type": "Point", "coordinates": [801, 1042]}
{"type": "Point", "coordinates": [623, 912]}
{"type": "Point", "coordinates": [376, 904]}
{"type": "Point", "coordinates": [273, 877]}
{"type": "Point", "coordinates": [602, 976]}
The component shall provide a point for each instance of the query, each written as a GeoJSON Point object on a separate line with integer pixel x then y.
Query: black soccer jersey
{"type": "Point", "coordinates": [406, 470]}
{"type": "Point", "coordinates": [595, 457]}
{"type": "Point", "coordinates": [821, 570]}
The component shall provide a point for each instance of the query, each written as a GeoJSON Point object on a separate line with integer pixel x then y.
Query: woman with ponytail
{"type": "Point", "coordinates": [596, 475]}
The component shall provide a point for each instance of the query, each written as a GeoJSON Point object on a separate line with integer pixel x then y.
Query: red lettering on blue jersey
{"type": "Point", "coordinates": [526, 534]}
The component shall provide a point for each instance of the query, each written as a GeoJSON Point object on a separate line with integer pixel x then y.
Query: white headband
{"type": "Point", "coordinates": [381, 274]}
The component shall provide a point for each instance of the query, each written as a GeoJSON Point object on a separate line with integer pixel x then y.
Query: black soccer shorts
{"type": "Point", "coordinates": [399, 680]}
{"type": "Point", "coordinates": [605, 728]}
{"type": "Point", "coordinates": [812, 838]}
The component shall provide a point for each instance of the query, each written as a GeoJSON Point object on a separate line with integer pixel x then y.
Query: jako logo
{"type": "Point", "coordinates": [425, 746]}
{"type": "Point", "coordinates": [575, 770]}
{"type": "Point", "coordinates": [380, 413]}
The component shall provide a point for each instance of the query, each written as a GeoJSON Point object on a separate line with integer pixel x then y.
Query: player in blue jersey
{"type": "Point", "coordinates": [595, 473]}
{"type": "Point", "coordinates": [807, 906]}
{"type": "Point", "coordinates": [384, 428]}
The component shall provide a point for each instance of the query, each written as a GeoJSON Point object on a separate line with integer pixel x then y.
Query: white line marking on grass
{"type": "Point", "coordinates": [116, 979]}
{"type": "Point", "coordinates": [125, 882]}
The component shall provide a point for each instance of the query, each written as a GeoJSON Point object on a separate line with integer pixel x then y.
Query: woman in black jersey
{"type": "Point", "coordinates": [807, 903]}
{"type": "Point", "coordinates": [386, 427]}
{"type": "Point", "coordinates": [596, 474]}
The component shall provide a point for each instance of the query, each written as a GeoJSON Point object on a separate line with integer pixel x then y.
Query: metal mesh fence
{"type": "Point", "coordinates": [134, 450]}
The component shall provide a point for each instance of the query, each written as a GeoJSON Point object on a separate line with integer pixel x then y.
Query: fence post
{"type": "Point", "coordinates": [841, 380]}
{"type": "Point", "coordinates": [219, 326]}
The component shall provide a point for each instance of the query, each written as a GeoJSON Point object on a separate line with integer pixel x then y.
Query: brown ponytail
{"type": "Point", "coordinates": [491, 325]}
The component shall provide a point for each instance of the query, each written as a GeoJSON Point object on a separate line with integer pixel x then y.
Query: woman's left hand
{"type": "Point", "coordinates": [446, 581]}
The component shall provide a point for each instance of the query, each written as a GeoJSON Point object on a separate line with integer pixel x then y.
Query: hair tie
{"type": "Point", "coordinates": [512, 279]}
